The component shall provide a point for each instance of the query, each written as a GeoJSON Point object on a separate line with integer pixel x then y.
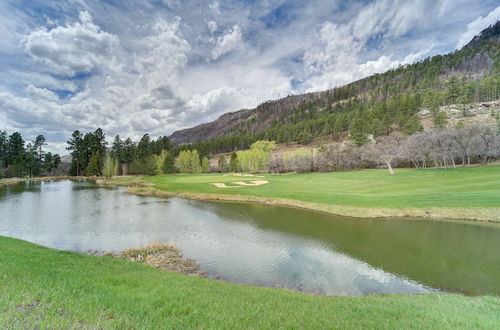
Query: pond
{"type": "Point", "coordinates": [260, 244]}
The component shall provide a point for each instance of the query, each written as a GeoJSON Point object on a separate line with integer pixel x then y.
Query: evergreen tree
{"type": "Point", "coordinates": [234, 164]}
{"type": "Point", "coordinates": [75, 146]}
{"type": "Point", "coordinates": [304, 137]}
{"type": "Point", "coordinates": [128, 155]}
{"type": "Point", "coordinates": [222, 164]}
{"type": "Point", "coordinates": [359, 132]}
{"type": "Point", "coordinates": [143, 149]}
{"type": "Point", "coordinates": [31, 160]}
{"type": "Point", "coordinates": [169, 164]}
{"type": "Point", "coordinates": [3, 149]}
{"type": "Point", "coordinates": [412, 125]}
{"type": "Point", "coordinates": [440, 119]}
{"type": "Point", "coordinates": [337, 128]}
{"type": "Point", "coordinates": [117, 150]}
{"type": "Point", "coordinates": [39, 142]}
{"type": "Point", "coordinates": [453, 85]}
{"type": "Point", "coordinates": [15, 147]}
{"type": "Point", "coordinates": [94, 165]}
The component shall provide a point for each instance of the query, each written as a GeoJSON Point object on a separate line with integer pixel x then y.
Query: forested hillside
{"type": "Point", "coordinates": [377, 105]}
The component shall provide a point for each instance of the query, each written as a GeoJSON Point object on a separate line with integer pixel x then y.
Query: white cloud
{"type": "Point", "coordinates": [228, 42]}
{"type": "Point", "coordinates": [477, 25]}
{"type": "Point", "coordinates": [333, 57]}
{"type": "Point", "coordinates": [72, 49]}
{"type": "Point", "coordinates": [155, 67]}
{"type": "Point", "coordinates": [127, 99]}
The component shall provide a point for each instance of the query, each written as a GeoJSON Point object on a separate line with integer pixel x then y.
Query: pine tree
{"type": "Point", "coordinates": [234, 164]}
{"type": "Point", "coordinates": [94, 165]}
{"type": "Point", "coordinates": [412, 125]}
{"type": "Point", "coordinates": [169, 164]}
{"type": "Point", "coordinates": [440, 119]}
{"type": "Point", "coordinates": [222, 164]}
{"type": "Point", "coordinates": [358, 132]}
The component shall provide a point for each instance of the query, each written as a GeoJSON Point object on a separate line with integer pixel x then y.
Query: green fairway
{"type": "Point", "coordinates": [461, 193]}
{"type": "Point", "coordinates": [45, 288]}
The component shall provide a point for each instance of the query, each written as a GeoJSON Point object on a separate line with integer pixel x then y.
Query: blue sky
{"type": "Point", "coordinates": [135, 67]}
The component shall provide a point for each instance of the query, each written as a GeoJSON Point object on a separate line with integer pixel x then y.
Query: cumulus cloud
{"type": "Point", "coordinates": [477, 25]}
{"type": "Point", "coordinates": [71, 49]}
{"type": "Point", "coordinates": [334, 55]}
{"type": "Point", "coordinates": [140, 96]}
{"type": "Point", "coordinates": [230, 40]}
{"type": "Point", "coordinates": [155, 67]}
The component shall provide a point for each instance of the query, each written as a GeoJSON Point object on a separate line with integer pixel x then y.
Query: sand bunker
{"type": "Point", "coordinates": [241, 174]}
{"type": "Point", "coordinates": [240, 184]}
{"type": "Point", "coordinates": [252, 183]}
{"type": "Point", "coordinates": [223, 185]}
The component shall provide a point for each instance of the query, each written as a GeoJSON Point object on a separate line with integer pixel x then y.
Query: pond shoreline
{"type": "Point", "coordinates": [486, 215]}
{"type": "Point", "coordinates": [143, 188]}
{"type": "Point", "coordinates": [11, 181]}
{"type": "Point", "coordinates": [135, 296]}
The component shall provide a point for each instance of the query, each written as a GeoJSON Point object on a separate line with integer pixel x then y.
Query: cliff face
{"type": "Point", "coordinates": [474, 61]}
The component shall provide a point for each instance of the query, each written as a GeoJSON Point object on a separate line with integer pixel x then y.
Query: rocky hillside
{"type": "Point", "coordinates": [258, 119]}
{"type": "Point", "coordinates": [483, 113]}
{"type": "Point", "coordinates": [474, 62]}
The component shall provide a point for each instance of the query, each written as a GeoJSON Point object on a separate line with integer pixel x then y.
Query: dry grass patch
{"type": "Point", "coordinates": [162, 256]}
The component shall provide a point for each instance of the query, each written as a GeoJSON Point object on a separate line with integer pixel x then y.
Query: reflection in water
{"type": "Point", "coordinates": [261, 245]}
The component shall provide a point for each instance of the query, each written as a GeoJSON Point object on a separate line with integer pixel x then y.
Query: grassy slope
{"type": "Point", "coordinates": [467, 193]}
{"type": "Point", "coordinates": [48, 288]}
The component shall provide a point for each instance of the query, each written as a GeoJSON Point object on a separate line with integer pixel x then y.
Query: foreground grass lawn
{"type": "Point", "coordinates": [45, 288]}
{"type": "Point", "coordinates": [462, 193]}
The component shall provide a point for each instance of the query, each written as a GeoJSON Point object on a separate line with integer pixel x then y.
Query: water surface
{"type": "Point", "coordinates": [259, 244]}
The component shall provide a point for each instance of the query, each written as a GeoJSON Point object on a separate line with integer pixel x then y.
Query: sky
{"type": "Point", "coordinates": [135, 67]}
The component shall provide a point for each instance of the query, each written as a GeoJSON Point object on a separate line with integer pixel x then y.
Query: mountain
{"type": "Point", "coordinates": [476, 67]}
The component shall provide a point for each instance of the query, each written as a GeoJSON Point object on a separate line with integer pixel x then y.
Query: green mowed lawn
{"type": "Point", "coordinates": [460, 187]}
{"type": "Point", "coordinates": [45, 288]}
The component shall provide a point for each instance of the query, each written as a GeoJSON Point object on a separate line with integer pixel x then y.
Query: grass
{"type": "Point", "coordinates": [471, 193]}
{"type": "Point", "coordinates": [45, 288]}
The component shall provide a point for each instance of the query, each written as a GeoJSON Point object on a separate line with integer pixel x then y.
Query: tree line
{"type": "Point", "coordinates": [19, 159]}
{"type": "Point", "coordinates": [438, 148]}
{"type": "Point", "coordinates": [91, 156]}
